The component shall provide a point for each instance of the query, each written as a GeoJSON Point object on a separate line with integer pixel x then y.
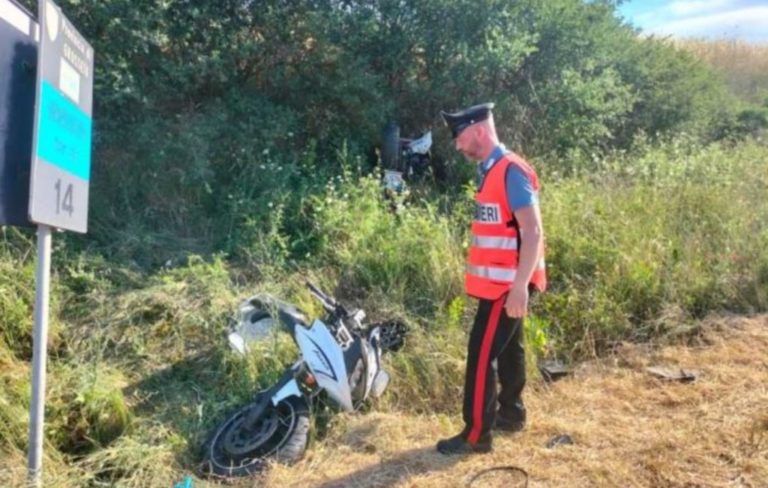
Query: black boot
{"type": "Point", "coordinates": [511, 419]}
{"type": "Point", "coordinates": [509, 425]}
{"type": "Point", "coordinates": [458, 444]}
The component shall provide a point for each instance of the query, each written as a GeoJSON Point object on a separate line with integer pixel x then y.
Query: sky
{"type": "Point", "coordinates": [734, 19]}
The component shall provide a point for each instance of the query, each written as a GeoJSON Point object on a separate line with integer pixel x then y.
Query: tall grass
{"type": "Point", "coordinates": [742, 64]}
{"type": "Point", "coordinates": [407, 249]}
{"type": "Point", "coordinates": [645, 244]}
{"type": "Point", "coordinates": [640, 245]}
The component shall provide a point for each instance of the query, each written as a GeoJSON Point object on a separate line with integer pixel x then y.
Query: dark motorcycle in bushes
{"type": "Point", "coordinates": [341, 360]}
{"type": "Point", "coordinates": [404, 159]}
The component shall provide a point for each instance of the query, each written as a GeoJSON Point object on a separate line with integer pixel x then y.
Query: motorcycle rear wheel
{"type": "Point", "coordinates": [390, 147]}
{"type": "Point", "coordinates": [241, 448]}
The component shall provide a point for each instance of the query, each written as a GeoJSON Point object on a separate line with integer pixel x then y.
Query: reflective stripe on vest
{"type": "Point", "coordinates": [491, 273]}
{"type": "Point", "coordinates": [487, 242]}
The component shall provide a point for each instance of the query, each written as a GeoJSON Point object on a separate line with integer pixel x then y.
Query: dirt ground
{"type": "Point", "coordinates": [629, 428]}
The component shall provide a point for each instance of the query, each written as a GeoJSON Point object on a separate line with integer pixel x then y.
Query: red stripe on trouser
{"type": "Point", "coordinates": [482, 370]}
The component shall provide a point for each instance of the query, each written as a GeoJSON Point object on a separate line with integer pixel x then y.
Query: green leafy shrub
{"type": "Point", "coordinates": [207, 114]}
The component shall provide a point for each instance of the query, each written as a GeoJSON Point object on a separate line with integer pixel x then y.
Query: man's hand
{"type": "Point", "coordinates": [531, 250]}
{"type": "Point", "coordinates": [516, 304]}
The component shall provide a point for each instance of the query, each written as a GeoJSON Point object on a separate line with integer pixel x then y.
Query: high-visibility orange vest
{"type": "Point", "coordinates": [493, 255]}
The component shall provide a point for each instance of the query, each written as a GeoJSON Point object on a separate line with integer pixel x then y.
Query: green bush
{"type": "Point", "coordinates": [206, 114]}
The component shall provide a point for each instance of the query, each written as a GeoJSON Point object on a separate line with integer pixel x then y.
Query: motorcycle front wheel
{"type": "Point", "coordinates": [242, 446]}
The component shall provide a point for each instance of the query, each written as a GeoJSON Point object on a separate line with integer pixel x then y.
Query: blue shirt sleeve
{"type": "Point", "coordinates": [520, 192]}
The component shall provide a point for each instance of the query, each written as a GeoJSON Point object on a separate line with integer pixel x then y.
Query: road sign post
{"type": "Point", "coordinates": [60, 176]}
{"type": "Point", "coordinates": [39, 354]}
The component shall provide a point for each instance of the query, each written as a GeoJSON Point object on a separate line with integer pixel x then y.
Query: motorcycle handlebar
{"type": "Point", "coordinates": [329, 303]}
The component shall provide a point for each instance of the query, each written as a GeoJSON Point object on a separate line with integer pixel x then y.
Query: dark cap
{"type": "Point", "coordinates": [458, 121]}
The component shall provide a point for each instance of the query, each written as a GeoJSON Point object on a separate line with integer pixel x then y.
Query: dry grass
{"type": "Point", "coordinates": [629, 428]}
{"type": "Point", "coordinates": [744, 65]}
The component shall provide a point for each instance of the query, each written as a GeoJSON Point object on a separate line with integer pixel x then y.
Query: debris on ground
{"type": "Point", "coordinates": [673, 374]}
{"type": "Point", "coordinates": [553, 370]}
{"type": "Point", "coordinates": [559, 440]}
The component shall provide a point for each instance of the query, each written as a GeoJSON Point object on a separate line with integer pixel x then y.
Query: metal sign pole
{"type": "Point", "coordinates": [60, 176]}
{"type": "Point", "coordinates": [39, 355]}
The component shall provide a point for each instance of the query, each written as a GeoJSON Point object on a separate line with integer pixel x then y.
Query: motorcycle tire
{"type": "Point", "coordinates": [390, 147]}
{"type": "Point", "coordinates": [280, 434]}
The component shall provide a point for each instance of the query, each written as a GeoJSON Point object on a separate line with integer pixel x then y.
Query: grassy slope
{"type": "Point", "coordinates": [140, 371]}
{"type": "Point", "coordinates": [629, 428]}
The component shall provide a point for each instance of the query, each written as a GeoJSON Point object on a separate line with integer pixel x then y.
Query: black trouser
{"type": "Point", "coordinates": [495, 350]}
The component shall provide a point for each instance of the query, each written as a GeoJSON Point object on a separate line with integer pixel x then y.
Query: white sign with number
{"type": "Point", "coordinates": [61, 154]}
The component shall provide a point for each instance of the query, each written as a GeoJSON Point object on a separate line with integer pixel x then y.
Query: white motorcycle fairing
{"type": "Point", "coordinates": [422, 144]}
{"type": "Point", "coordinates": [325, 359]}
{"type": "Point", "coordinates": [290, 389]}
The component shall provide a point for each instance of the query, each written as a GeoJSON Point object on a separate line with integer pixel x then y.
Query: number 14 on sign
{"type": "Point", "coordinates": [64, 202]}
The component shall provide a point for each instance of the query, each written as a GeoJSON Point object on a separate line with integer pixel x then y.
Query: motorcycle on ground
{"type": "Point", "coordinates": [340, 360]}
{"type": "Point", "coordinates": [404, 159]}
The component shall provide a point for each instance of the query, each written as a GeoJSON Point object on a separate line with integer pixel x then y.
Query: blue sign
{"type": "Point", "coordinates": [61, 158]}
{"type": "Point", "coordinates": [64, 136]}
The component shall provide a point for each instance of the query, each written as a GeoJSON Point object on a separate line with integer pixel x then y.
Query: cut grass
{"type": "Point", "coordinates": [629, 429]}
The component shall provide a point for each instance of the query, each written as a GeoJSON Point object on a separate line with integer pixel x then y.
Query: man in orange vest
{"type": "Point", "coordinates": [505, 265]}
